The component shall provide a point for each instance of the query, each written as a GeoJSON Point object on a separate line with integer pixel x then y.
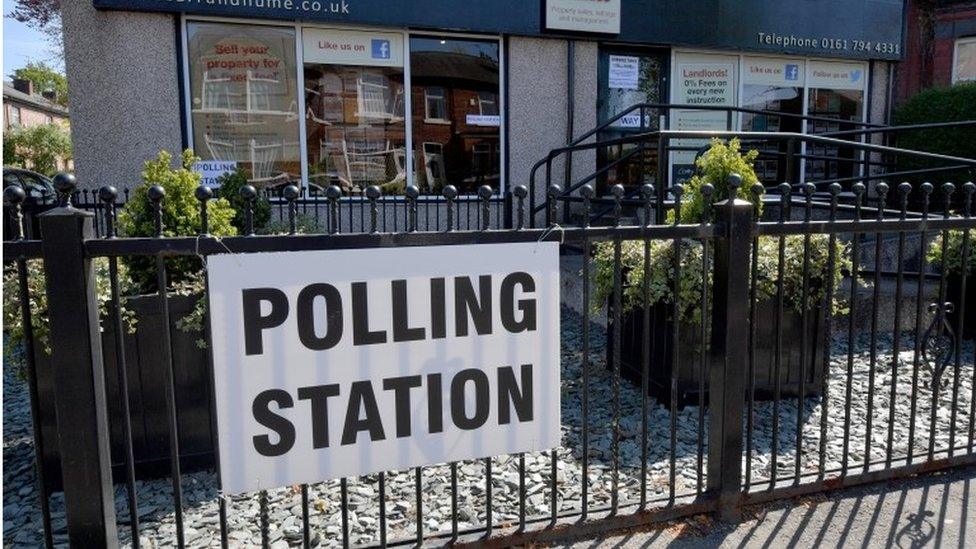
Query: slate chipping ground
{"type": "Point", "coordinates": [22, 525]}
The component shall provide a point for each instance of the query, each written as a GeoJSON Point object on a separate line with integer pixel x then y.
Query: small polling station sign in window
{"type": "Point", "coordinates": [340, 363]}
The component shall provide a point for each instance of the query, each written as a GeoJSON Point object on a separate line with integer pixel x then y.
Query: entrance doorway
{"type": "Point", "coordinates": [629, 76]}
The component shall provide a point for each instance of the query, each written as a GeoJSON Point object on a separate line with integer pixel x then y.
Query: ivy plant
{"type": "Point", "coordinates": [13, 321]}
{"type": "Point", "coordinates": [714, 167]}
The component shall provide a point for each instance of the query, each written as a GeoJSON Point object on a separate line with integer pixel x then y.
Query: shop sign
{"type": "Point", "coordinates": [342, 47]}
{"type": "Point", "coordinates": [490, 120]}
{"type": "Point", "coordinates": [836, 76]}
{"type": "Point", "coordinates": [351, 362]}
{"type": "Point", "coordinates": [772, 71]}
{"type": "Point", "coordinates": [212, 170]}
{"type": "Point", "coordinates": [856, 29]}
{"type": "Point", "coordinates": [624, 72]}
{"type": "Point", "coordinates": [597, 16]}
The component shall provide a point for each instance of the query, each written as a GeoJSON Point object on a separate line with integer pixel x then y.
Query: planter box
{"type": "Point", "coordinates": [146, 370]}
{"type": "Point", "coordinates": [954, 295]}
{"type": "Point", "coordinates": [662, 359]}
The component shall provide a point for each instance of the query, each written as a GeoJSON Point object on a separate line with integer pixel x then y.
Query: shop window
{"type": "Point", "coordinates": [964, 60]}
{"type": "Point", "coordinates": [436, 104]}
{"type": "Point", "coordinates": [243, 98]}
{"type": "Point", "coordinates": [456, 81]}
{"type": "Point", "coordinates": [775, 85]}
{"type": "Point", "coordinates": [354, 110]}
{"type": "Point", "coordinates": [836, 93]}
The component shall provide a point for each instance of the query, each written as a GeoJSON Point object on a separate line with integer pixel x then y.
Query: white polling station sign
{"type": "Point", "coordinates": [341, 363]}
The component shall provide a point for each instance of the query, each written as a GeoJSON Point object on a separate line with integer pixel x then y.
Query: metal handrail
{"type": "Point", "coordinates": [723, 108]}
{"type": "Point", "coordinates": [959, 162]}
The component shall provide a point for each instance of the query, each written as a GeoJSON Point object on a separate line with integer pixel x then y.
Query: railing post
{"type": "Point", "coordinates": [729, 354]}
{"type": "Point", "coordinates": [79, 379]}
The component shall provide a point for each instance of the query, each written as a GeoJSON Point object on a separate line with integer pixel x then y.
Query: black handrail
{"type": "Point", "coordinates": [723, 108]}
{"type": "Point", "coordinates": [668, 135]}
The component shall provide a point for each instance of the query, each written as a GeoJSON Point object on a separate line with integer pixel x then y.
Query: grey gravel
{"type": "Point", "coordinates": [22, 524]}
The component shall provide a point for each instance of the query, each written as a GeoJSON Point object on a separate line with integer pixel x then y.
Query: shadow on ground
{"type": "Point", "coordinates": [935, 510]}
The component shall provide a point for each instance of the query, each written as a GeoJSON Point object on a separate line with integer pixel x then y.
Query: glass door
{"type": "Point", "coordinates": [629, 76]}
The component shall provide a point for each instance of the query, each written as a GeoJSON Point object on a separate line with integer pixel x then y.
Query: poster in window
{"type": "Point", "coordinates": [624, 72]}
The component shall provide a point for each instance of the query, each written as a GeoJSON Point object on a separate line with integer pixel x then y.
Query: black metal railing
{"type": "Point", "coordinates": [661, 142]}
{"type": "Point", "coordinates": [314, 210]}
{"type": "Point", "coordinates": [675, 401]}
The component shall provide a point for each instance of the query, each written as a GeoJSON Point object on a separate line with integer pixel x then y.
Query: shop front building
{"type": "Point", "coordinates": [434, 92]}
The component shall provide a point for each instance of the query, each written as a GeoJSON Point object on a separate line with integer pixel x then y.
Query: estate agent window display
{"type": "Point", "coordinates": [361, 123]}
{"type": "Point", "coordinates": [243, 98]}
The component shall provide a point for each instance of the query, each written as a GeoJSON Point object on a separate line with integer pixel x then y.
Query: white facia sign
{"type": "Point", "coordinates": [599, 16]}
{"type": "Point", "coordinates": [340, 363]}
{"type": "Point", "coordinates": [344, 47]}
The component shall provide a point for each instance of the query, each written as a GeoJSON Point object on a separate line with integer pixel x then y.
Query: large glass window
{"type": "Point", "coordinates": [243, 98]}
{"type": "Point", "coordinates": [456, 115]}
{"type": "Point", "coordinates": [250, 102]}
{"type": "Point", "coordinates": [354, 110]}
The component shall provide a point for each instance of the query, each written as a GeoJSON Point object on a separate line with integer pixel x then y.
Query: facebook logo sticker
{"type": "Point", "coordinates": [792, 72]}
{"type": "Point", "coordinates": [381, 49]}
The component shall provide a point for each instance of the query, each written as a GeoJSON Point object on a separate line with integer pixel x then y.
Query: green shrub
{"type": "Point", "coordinates": [952, 104]}
{"type": "Point", "coordinates": [37, 148]}
{"type": "Point", "coordinates": [955, 262]}
{"type": "Point", "coordinates": [230, 189]}
{"type": "Point", "coordinates": [13, 325]}
{"type": "Point", "coordinates": [714, 167]}
{"type": "Point", "coordinates": [180, 217]}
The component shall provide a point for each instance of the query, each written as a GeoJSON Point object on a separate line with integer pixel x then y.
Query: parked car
{"type": "Point", "coordinates": [41, 196]}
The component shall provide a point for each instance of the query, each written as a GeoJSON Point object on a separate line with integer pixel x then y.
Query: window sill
{"type": "Point", "coordinates": [439, 121]}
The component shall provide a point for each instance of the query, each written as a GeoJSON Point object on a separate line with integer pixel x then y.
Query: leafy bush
{"type": "Point", "coordinates": [714, 167]}
{"type": "Point", "coordinates": [180, 217]}
{"type": "Point", "coordinates": [955, 262]}
{"type": "Point", "coordinates": [230, 190]}
{"type": "Point", "coordinates": [950, 104]}
{"type": "Point", "coordinates": [37, 148]}
{"type": "Point", "coordinates": [13, 320]}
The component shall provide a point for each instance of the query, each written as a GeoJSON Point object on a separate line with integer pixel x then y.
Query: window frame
{"type": "Point", "coordinates": [443, 99]}
{"type": "Point", "coordinates": [493, 101]}
{"type": "Point", "coordinates": [20, 116]}
{"type": "Point", "coordinates": [962, 40]}
{"type": "Point", "coordinates": [299, 28]}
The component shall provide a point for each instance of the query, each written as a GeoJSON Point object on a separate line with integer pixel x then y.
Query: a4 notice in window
{"type": "Point", "coordinates": [363, 124]}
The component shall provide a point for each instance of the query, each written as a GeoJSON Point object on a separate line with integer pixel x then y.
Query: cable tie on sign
{"type": "Point", "coordinates": [218, 240]}
{"type": "Point", "coordinates": [552, 228]}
